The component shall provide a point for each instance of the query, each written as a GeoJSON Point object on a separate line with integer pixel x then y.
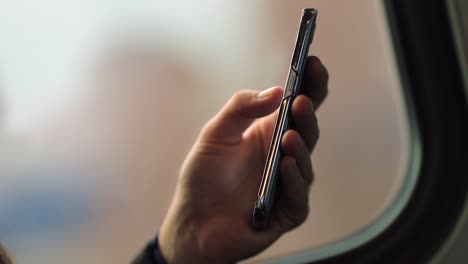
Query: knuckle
{"type": "Point", "coordinates": [316, 134]}
{"type": "Point", "coordinates": [315, 131]}
{"type": "Point", "coordinates": [325, 75]}
{"type": "Point", "coordinates": [302, 215]}
{"type": "Point", "coordinates": [312, 177]}
{"type": "Point", "coordinates": [324, 82]}
{"type": "Point", "coordinates": [208, 128]}
{"type": "Point", "coordinates": [238, 95]}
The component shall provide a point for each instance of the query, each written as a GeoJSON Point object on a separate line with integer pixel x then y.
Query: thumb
{"type": "Point", "coordinates": [239, 113]}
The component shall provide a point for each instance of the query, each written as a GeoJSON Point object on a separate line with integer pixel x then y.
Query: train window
{"type": "Point", "coordinates": [100, 103]}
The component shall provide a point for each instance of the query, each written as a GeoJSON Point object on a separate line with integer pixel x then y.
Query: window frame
{"type": "Point", "coordinates": [431, 77]}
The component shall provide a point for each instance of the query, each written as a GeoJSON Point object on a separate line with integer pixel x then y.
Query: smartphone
{"type": "Point", "coordinates": [268, 185]}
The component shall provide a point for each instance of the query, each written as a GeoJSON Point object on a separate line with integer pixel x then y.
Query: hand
{"type": "Point", "coordinates": [209, 220]}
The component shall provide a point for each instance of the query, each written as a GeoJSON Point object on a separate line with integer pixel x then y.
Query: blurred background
{"type": "Point", "coordinates": [100, 102]}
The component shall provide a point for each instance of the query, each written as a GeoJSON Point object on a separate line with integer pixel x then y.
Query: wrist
{"type": "Point", "coordinates": [182, 240]}
{"type": "Point", "coordinates": [167, 245]}
{"type": "Point", "coordinates": [177, 241]}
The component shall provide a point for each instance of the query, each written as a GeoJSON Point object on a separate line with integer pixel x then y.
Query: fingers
{"type": "Point", "coordinates": [293, 206]}
{"type": "Point", "coordinates": [293, 145]}
{"type": "Point", "coordinates": [296, 177]}
{"type": "Point", "coordinates": [305, 121]}
{"type": "Point", "coordinates": [239, 112]}
{"type": "Point", "coordinates": [314, 89]}
{"type": "Point", "coordinates": [315, 81]}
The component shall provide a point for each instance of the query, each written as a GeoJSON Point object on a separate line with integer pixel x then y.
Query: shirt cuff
{"type": "Point", "coordinates": [157, 255]}
{"type": "Point", "coordinates": [151, 254]}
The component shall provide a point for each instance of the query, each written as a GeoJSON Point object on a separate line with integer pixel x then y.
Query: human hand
{"type": "Point", "coordinates": [209, 220]}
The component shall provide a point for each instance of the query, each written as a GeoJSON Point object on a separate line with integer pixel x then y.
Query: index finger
{"type": "Point", "coordinates": [315, 81]}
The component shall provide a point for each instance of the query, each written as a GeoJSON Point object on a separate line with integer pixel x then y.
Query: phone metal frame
{"type": "Point", "coordinates": [268, 185]}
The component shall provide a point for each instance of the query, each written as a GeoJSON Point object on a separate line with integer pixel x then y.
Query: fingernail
{"type": "Point", "coordinates": [266, 93]}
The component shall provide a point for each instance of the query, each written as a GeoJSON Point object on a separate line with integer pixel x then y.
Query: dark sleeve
{"type": "Point", "coordinates": [151, 254]}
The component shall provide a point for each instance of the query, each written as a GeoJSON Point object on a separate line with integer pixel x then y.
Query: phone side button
{"type": "Point", "coordinates": [290, 84]}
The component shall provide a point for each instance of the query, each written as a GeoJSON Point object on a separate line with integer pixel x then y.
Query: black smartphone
{"type": "Point", "coordinates": [268, 185]}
